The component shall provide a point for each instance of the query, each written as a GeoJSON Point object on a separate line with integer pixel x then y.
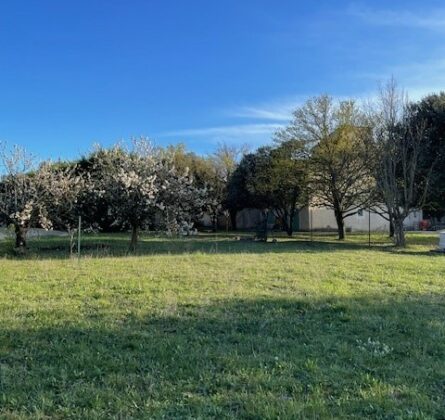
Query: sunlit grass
{"type": "Point", "coordinates": [218, 327]}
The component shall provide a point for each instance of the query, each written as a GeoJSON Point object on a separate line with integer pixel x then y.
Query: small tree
{"type": "Point", "coordinates": [289, 176]}
{"type": "Point", "coordinates": [60, 189]}
{"type": "Point", "coordinates": [20, 202]}
{"type": "Point", "coordinates": [128, 185]}
{"type": "Point", "coordinates": [277, 180]}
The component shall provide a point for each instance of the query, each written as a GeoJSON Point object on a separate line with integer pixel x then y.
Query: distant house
{"type": "Point", "coordinates": [323, 219]}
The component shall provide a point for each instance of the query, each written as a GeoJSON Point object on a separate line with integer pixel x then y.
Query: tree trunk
{"type": "Point", "coordinates": [233, 214]}
{"type": "Point", "coordinates": [391, 228]}
{"type": "Point", "coordinates": [340, 225]}
{"type": "Point", "coordinates": [285, 220]}
{"type": "Point", "coordinates": [134, 238]}
{"type": "Point", "coordinates": [20, 237]}
{"type": "Point", "coordinates": [399, 234]}
{"type": "Point", "coordinates": [215, 222]}
{"type": "Point", "coordinates": [290, 229]}
{"type": "Point", "coordinates": [265, 224]}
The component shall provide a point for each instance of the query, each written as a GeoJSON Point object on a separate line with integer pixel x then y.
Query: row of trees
{"type": "Point", "coordinates": [387, 156]}
{"type": "Point", "coordinates": [121, 188]}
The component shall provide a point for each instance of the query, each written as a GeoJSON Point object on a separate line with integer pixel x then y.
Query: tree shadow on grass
{"type": "Point", "coordinates": [116, 245]}
{"type": "Point", "coordinates": [264, 358]}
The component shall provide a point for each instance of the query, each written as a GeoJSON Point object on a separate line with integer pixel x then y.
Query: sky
{"type": "Point", "coordinates": [199, 72]}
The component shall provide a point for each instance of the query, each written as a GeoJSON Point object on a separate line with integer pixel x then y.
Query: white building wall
{"type": "Point", "coordinates": [413, 220]}
{"type": "Point", "coordinates": [324, 219]}
{"type": "Point", "coordinates": [360, 222]}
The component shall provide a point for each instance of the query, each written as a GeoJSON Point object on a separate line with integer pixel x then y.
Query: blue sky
{"type": "Point", "coordinates": [74, 73]}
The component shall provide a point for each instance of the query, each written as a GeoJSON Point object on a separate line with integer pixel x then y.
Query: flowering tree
{"type": "Point", "coordinates": [60, 189]}
{"type": "Point", "coordinates": [20, 203]}
{"type": "Point", "coordinates": [128, 185]}
{"type": "Point", "coordinates": [180, 200]}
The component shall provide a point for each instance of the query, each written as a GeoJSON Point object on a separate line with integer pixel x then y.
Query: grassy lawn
{"type": "Point", "coordinates": [220, 328]}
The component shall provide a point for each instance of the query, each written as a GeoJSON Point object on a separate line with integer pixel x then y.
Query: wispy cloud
{"type": "Point", "coordinates": [263, 114]}
{"type": "Point", "coordinates": [251, 135]}
{"type": "Point", "coordinates": [432, 19]}
{"type": "Point", "coordinates": [278, 110]}
{"type": "Point", "coordinates": [228, 130]}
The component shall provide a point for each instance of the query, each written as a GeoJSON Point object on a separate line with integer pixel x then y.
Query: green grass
{"type": "Point", "coordinates": [219, 328]}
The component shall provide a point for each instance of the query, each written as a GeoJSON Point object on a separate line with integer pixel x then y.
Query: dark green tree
{"type": "Point", "coordinates": [431, 112]}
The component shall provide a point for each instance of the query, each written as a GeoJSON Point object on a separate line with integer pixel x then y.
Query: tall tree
{"type": "Point", "coordinates": [334, 136]}
{"type": "Point", "coordinates": [241, 193]}
{"type": "Point", "coordinates": [431, 111]}
{"type": "Point", "coordinates": [225, 160]}
{"type": "Point", "coordinates": [290, 178]}
{"type": "Point", "coordinates": [399, 147]}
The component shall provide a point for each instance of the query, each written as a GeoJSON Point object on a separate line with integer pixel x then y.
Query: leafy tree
{"type": "Point", "coordinates": [334, 137]}
{"type": "Point", "coordinates": [240, 193]}
{"type": "Point", "coordinates": [225, 161]}
{"type": "Point", "coordinates": [430, 111]}
{"type": "Point", "coordinates": [271, 179]}
{"type": "Point", "coordinates": [277, 180]}
{"type": "Point", "coordinates": [289, 181]}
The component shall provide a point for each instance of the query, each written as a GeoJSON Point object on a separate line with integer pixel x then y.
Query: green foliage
{"type": "Point", "coordinates": [272, 178]}
{"type": "Point", "coordinates": [431, 110]}
{"type": "Point", "coordinates": [332, 136]}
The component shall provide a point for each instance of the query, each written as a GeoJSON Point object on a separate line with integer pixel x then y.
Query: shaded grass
{"type": "Point", "coordinates": [115, 245]}
{"type": "Point", "coordinates": [241, 330]}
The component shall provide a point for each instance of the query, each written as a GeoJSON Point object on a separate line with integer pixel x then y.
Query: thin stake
{"type": "Point", "coordinates": [310, 222]}
{"type": "Point", "coordinates": [369, 228]}
{"type": "Point", "coordinates": [78, 236]}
